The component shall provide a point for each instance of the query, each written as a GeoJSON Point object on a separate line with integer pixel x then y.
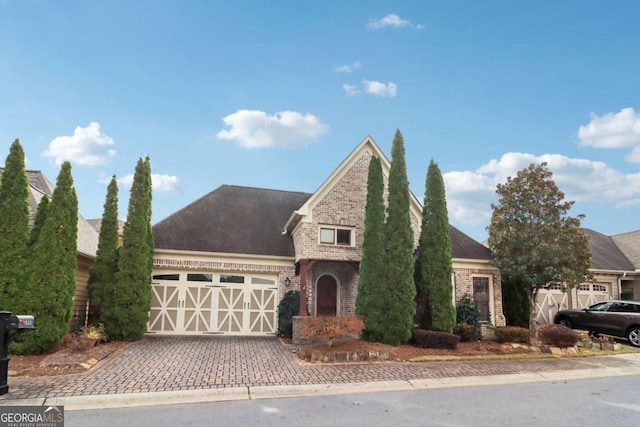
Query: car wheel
{"type": "Point", "coordinates": [564, 321]}
{"type": "Point", "coordinates": [634, 336]}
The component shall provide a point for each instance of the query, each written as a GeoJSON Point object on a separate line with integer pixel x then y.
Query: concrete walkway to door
{"type": "Point", "coordinates": [251, 364]}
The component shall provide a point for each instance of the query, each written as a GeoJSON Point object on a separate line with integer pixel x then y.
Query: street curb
{"type": "Point", "coordinates": [104, 401]}
{"type": "Point", "coordinates": [272, 392]}
{"type": "Point", "coordinates": [129, 400]}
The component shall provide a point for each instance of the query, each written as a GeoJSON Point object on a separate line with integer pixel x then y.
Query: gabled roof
{"type": "Point", "coordinates": [464, 247]}
{"type": "Point", "coordinates": [367, 145]}
{"type": "Point", "coordinates": [232, 219]}
{"type": "Point", "coordinates": [629, 244]}
{"type": "Point", "coordinates": [39, 185]}
{"type": "Point", "coordinates": [605, 253]}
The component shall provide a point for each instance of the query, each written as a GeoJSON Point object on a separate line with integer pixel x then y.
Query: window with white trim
{"type": "Point", "coordinates": [338, 236]}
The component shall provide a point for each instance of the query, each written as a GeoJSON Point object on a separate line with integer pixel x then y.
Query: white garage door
{"type": "Point", "coordinates": [554, 298]}
{"type": "Point", "coordinates": [212, 303]}
{"type": "Point", "coordinates": [591, 293]}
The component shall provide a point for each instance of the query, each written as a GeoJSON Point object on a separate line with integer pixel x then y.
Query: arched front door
{"type": "Point", "coordinates": [327, 296]}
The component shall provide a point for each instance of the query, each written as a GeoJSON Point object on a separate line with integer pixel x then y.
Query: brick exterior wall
{"type": "Point", "coordinates": [343, 205]}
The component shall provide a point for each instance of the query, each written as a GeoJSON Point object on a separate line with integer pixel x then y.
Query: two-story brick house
{"type": "Point", "coordinates": [222, 263]}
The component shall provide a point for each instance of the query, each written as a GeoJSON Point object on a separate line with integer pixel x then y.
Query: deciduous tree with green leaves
{"type": "Point", "coordinates": [103, 273]}
{"type": "Point", "coordinates": [398, 239]}
{"type": "Point", "coordinates": [52, 284]}
{"type": "Point", "coordinates": [371, 296]}
{"type": "Point", "coordinates": [435, 290]}
{"type": "Point", "coordinates": [14, 227]}
{"type": "Point", "coordinates": [533, 239]}
{"type": "Point", "coordinates": [125, 309]}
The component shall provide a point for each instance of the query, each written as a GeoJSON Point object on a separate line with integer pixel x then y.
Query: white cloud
{"type": "Point", "coordinates": [470, 193]}
{"type": "Point", "coordinates": [350, 90]}
{"type": "Point", "coordinates": [613, 130]}
{"type": "Point", "coordinates": [165, 183]}
{"type": "Point", "coordinates": [392, 20]}
{"type": "Point", "coordinates": [87, 146]}
{"type": "Point", "coordinates": [348, 68]}
{"type": "Point", "coordinates": [389, 90]}
{"type": "Point", "coordinates": [257, 129]}
{"type": "Point", "coordinates": [160, 183]}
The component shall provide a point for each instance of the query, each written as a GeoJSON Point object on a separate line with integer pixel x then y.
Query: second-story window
{"type": "Point", "coordinates": [336, 236]}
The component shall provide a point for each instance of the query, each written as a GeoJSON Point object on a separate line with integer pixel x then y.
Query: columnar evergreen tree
{"type": "Point", "coordinates": [14, 227]}
{"type": "Point", "coordinates": [370, 299]}
{"type": "Point", "coordinates": [435, 290]}
{"type": "Point", "coordinates": [103, 273]}
{"type": "Point", "coordinates": [399, 262]}
{"type": "Point", "coordinates": [125, 309]}
{"type": "Point", "coordinates": [51, 285]}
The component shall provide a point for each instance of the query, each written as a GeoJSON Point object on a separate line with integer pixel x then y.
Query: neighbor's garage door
{"type": "Point", "coordinates": [554, 297]}
{"type": "Point", "coordinates": [207, 303]}
{"type": "Point", "coordinates": [591, 293]}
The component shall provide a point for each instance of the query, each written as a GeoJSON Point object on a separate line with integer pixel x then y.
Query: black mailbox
{"type": "Point", "coordinates": [10, 322]}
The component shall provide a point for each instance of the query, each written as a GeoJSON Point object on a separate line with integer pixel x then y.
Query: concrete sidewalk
{"type": "Point", "coordinates": [169, 370]}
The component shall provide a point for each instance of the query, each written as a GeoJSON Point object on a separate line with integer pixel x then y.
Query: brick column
{"type": "Point", "coordinates": [304, 267]}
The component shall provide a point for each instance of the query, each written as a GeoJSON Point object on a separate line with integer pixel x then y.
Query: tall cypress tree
{"type": "Point", "coordinates": [103, 273]}
{"type": "Point", "coordinates": [370, 297]}
{"type": "Point", "coordinates": [126, 305]}
{"type": "Point", "coordinates": [435, 290]}
{"type": "Point", "coordinates": [399, 262]}
{"type": "Point", "coordinates": [14, 227]}
{"type": "Point", "coordinates": [51, 285]}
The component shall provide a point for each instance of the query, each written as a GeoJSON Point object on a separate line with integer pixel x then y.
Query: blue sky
{"type": "Point", "coordinates": [276, 94]}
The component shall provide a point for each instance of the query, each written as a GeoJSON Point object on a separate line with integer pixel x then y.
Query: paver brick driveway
{"type": "Point", "coordinates": [188, 363]}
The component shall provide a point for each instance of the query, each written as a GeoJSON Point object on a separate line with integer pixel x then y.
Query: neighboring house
{"type": "Point", "coordinates": [97, 223]}
{"type": "Point", "coordinates": [615, 267]}
{"type": "Point", "coordinates": [222, 263]}
{"type": "Point", "coordinates": [39, 185]}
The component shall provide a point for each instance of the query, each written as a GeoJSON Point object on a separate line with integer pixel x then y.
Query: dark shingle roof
{"type": "Point", "coordinates": [232, 219]}
{"type": "Point", "coordinates": [629, 244]}
{"type": "Point", "coordinates": [463, 246]}
{"type": "Point", "coordinates": [605, 254]}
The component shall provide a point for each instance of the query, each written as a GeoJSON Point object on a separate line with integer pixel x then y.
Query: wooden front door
{"type": "Point", "coordinates": [327, 296]}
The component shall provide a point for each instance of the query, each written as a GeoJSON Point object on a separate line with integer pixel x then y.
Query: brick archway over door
{"type": "Point", "coordinates": [327, 296]}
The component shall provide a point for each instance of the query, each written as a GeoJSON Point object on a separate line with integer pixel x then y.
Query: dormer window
{"type": "Point", "coordinates": [336, 236]}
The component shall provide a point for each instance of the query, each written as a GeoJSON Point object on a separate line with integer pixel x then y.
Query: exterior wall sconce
{"type": "Point", "coordinates": [287, 282]}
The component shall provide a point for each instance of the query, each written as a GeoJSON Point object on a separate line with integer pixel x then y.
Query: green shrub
{"type": "Point", "coordinates": [558, 336]}
{"type": "Point", "coordinates": [513, 334]}
{"type": "Point", "coordinates": [287, 308]}
{"type": "Point", "coordinates": [466, 332]}
{"type": "Point", "coordinates": [467, 312]}
{"type": "Point", "coordinates": [434, 339]}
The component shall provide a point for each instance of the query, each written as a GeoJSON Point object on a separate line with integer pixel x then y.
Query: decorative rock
{"type": "Point", "coordinates": [571, 350]}
{"type": "Point", "coordinates": [606, 346]}
{"type": "Point", "coordinates": [556, 351]}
